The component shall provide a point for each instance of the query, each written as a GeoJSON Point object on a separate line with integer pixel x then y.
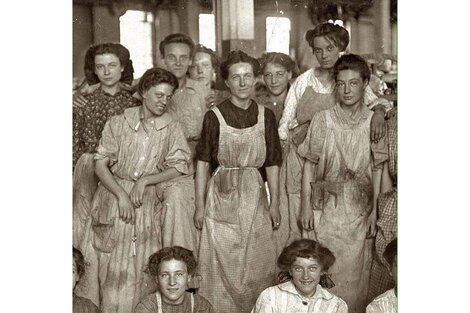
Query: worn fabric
{"type": "Point", "coordinates": [342, 197]}
{"type": "Point", "coordinates": [88, 123]}
{"type": "Point", "coordinates": [149, 304]}
{"type": "Point", "coordinates": [385, 303]}
{"type": "Point", "coordinates": [83, 305]}
{"type": "Point", "coordinates": [385, 155]}
{"type": "Point", "coordinates": [284, 298]}
{"type": "Point", "coordinates": [208, 147]}
{"type": "Point", "coordinates": [237, 255]}
{"type": "Point", "coordinates": [136, 148]}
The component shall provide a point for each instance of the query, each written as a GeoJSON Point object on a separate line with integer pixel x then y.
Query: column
{"type": "Point", "coordinates": [382, 29]}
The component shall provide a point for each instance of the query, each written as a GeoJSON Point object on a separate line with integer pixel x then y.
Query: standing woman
{"type": "Point", "coordinates": [311, 92]}
{"type": "Point", "coordinates": [108, 70]}
{"type": "Point", "coordinates": [237, 254]}
{"type": "Point", "coordinates": [339, 187]}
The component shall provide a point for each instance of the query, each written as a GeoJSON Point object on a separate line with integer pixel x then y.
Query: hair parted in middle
{"type": "Point", "coordinates": [238, 56]}
{"type": "Point", "coordinates": [352, 62]}
{"type": "Point", "coordinates": [154, 77]}
{"type": "Point", "coordinates": [177, 38]}
{"type": "Point", "coordinates": [335, 33]}
{"type": "Point", "coordinates": [171, 253]}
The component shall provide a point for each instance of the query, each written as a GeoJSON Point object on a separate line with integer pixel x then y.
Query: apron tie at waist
{"type": "Point", "coordinates": [221, 167]}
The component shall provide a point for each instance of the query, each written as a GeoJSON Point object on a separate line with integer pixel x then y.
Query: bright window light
{"type": "Point", "coordinates": [207, 30]}
{"type": "Point", "coordinates": [277, 34]}
{"type": "Point", "coordinates": [136, 35]}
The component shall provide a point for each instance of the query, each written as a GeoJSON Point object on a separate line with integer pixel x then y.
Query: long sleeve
{"type": "Point", "coordinates": [108, 145]}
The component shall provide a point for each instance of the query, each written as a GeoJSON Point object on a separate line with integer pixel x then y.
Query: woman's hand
{"type": "Point", "coordinates": [198, 218]}
{"type": "Point", "coordinates": [137, 193]}
{"type": "Point", "coordinates": [307, 219]}
{"type": "Point", "coordinates": [79, 100]}
{"type": "Point", "coordinates": [126, 209]}
{"type": "Point", "coordinates": [377, 125]}
{"type": "Point", "coordinates": [372, 223]}
{"type": "Point", "coordinates": [275, 216]}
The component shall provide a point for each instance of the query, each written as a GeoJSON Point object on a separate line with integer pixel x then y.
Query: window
{"type": "Point", "coordinates": [207, 30]}
{"type": "Point", "coordinates": [277, 34]}
{"type": "Point", "coordinates": [136, 35]}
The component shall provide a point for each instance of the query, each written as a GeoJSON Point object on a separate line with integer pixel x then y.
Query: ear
{"type": "Point", "coordinates": [190, 277]}
{"type": "Point", "coordinates": [226, 84]}
{"type": "Point", "coordinates": [289, 75]}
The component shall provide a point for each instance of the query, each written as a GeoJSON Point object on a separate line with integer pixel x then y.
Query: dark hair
{"type": "Point", "coordinates": [215, 61]}
{"type": "Point", "coordinates": [390, 252]}
{"type": "Point", "coordinates": [79, 261]}
{"type": "Point", "coordinates": [352, 62]}
{"type": "Point", "coordinates": [177, 38]}
{"type": "Point", "coordinates": [108, 48]}
{"type": "Point", "coordinates": [156, 76]}
{"type": "Point", "coordinates": [171, 253]}
{"type": "Point", "coordinates": [335, 33]}
{"type": "Point", "coordinates": [277, 58]}
{"type": "Point", "coordinates": [238, 56]}
{"type": "Point", "coordinates": [305, 248]}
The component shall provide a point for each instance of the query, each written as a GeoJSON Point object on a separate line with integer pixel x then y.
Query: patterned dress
{"type": "Point", "coordinates": [385, 155]}
{"type": "Point", "coordinates": [118, 252]}
{"type": "Point", "coordinates": [88, 123]}
{"type": "Point", "coordinates": [342, 197]}
{"type": "Point", "coordinates": [237, 255]}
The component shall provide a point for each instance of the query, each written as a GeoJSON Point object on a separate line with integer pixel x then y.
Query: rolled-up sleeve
{"type": "Point", "coordinates": [312, 147]}
{"type": "Point", "coordinates": [108, 146]}
{"type": "Point", "coordinates": [179, 154]}
{"type": "Point", "coordinates": [379, 153]}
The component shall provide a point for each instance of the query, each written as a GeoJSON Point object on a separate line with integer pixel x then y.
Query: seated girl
{"type": "Point", "coordinates": [80, 305]}
{"type": "Point", "coordinates": [140, 154]}
{"type": "Point", "coordinates": [172, 268]}
{"type": "Point", "coordinates": [304, 263]}
{"type": "Point", "coordinates": [387, 302]}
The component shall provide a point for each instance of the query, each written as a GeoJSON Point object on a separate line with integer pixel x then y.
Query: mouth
{"type": "Point", "coordinates": [347, 98]}
{"type": "Point", "coordinates": [306, 283]}
{"type": "Point", "coordinates": [172, 290]}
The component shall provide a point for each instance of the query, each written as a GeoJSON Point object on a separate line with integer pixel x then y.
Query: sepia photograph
{"type": "Point", "coordinates": [235, 156]}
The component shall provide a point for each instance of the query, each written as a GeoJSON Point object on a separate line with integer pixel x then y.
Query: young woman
{"type": "Point", "coordinates": [311, 92]}
{"type": "Point", "coordinates": [304, 265]}
{"type": "Point", "coordinates": [172, 268]}
{"type": "Point", "coordinates": [108, 70]}
{"type": "Point", "coordinates": [237, 254]}
{"type": "Point", "coordinates": [277, 69]}
{"type": "Point", "coordinates": [140, 153]}
{"type": "Point", "coordinates": [339, 188]}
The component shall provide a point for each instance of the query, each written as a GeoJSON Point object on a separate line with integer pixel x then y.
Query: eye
{"type": "Point", "coordinates": [99, 66]}
{"type": "Point", "coordinates": [316, 50]}
{"type": "Point", "coordinates": [330, 48]}
{"type": "Point", "coordinates": [183, 58]}
{"type": "Point", "coordinates": [313, 269]}
{"type": "Point", "coordinates": [354, 83]}
{"type": "Point", "coordinates": [268, 75]}
{"type": "Point", "coordinates": [164, 275]}
{"type": "Point", "coordinates": [297, 269]}
{"type": "Point", "coordinates": [281, 74]}
{"type": "Point", "coordinates": [113, 65]}
{"type": "Point", "coordinates": [340, 84]}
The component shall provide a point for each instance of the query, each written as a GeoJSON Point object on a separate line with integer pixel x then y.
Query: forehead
{"type": "Point", "coordinates": [162, 87]}
{"type": "Point", "coordinates": [274, 67]}
{"type": "Point", "coordinates": [173, 266]}
{"type": "Point", "coordinates": [304, 262]}
{"type": "Point", "coordinates": [106, 58]}
{"type": "Point", "coordinates": [322, 42]}
{"type": "Point", "coordinates": [240, 68]}
{"type": "Point", "coordinates": [202, 57]}
{"type": "Point", "coordinates": [345, 75]}
{"type": "Point", "coordinates": [178, 48]}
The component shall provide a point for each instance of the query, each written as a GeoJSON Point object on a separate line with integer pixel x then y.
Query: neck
{"type": "Point", "coordinates": [181, 82]}
{"type": "Point", "coordinates": [146, 113]}
{"type": "Point", "coordinates": [352, 109]}
{"type": "Point", "coordinates": [279, 98]}
{"type": "Point", "coordinates": [112, 90]}
{"type": "Point", "coordinates": [241, 103]}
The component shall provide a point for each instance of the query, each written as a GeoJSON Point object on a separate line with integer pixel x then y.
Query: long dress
{"type": "Point", "coordinates": [342, 196]}
{"type": "Point", "coordinates": [118, 252]}
{"type": "Point", "coordinates": [385, 151]}
{"type": "Point", "coordinates": [88, 123]}
{"type": "Point", "coordinates": [237, 255]}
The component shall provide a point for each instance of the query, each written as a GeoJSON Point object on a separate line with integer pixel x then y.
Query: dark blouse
{"type": "Point", "coordinates": [88, 121]}
{"type": "Point", "coordinates": [236, 117]}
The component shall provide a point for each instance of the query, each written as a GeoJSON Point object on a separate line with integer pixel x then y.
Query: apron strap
{"type": "Point", "coordinates": [192, 303]}
{"type": "Point", "coordinates": [219, 116]}
{"type": "Point", "coordinates": [260, 114]}
{"type": "Point", "coordinates": [159, 303]}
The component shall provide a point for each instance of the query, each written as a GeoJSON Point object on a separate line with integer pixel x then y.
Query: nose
{"type": "Point", "coordinates": [273, 79]}
{"type": "Point", "coordinates": [242, 82]}
{"type": "Point", "coordinates": [199, 69]}
{"type": "Point", "coordinates": [164, 100]}
{"type": "Point", "coordinates": [305, 275]}
{"type": "Point", "coordinates": [178, 61]}
{"type": "Point", "coordinates": [106, 70]}
{"type": "Point", "coordinates": [172, 281]}
{"type": "Point", "coordinates": [347, 89]}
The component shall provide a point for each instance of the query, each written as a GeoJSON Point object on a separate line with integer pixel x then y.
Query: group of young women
{"type": "Point", "coordinates": [168, 161]}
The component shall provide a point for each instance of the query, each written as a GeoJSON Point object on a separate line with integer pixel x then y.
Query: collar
{"type": "Point", "coordinates": [134, 117]}
{"type": "Point", "coordinates": [320, 293]}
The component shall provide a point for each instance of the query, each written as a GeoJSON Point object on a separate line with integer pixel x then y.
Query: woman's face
{"type": "Point", "coordinates": [325, 51]}
{"type": "Point", "coordinates": [276, 78]}
{"type": "Point", "coordinates": [306, 275]}
{"type": "Point", "coordinates": [172, 279]}
{"type": "Point", "coordinates": [201, 69]}
{"type": "Point", "coordinates": [156, 99]}
{"type": "Point", "coordinates": [350, 87]}
{"type": "Point", "coordinates": [108, 68]}
{"type": "Point", "coordinates": [241, 80]}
